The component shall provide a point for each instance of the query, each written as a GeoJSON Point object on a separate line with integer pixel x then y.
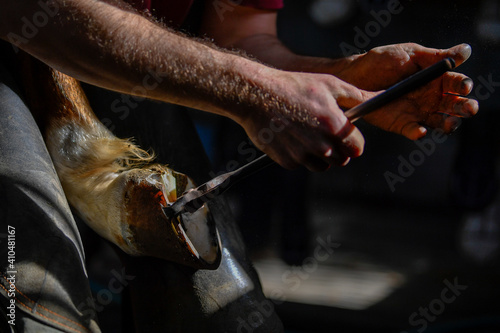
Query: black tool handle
{"type": "Point", "coordinates": [192, 201]}
{"type": "Point", "coordinates": [411, 83]}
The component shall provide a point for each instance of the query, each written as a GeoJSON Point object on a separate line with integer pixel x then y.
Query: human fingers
{"type": "Point", "coordinates": [316, 161]}
{"type": "Point", "coordinates": [348, 96]}
{"type": "Point", "coordinates": [345, 140]}
{"type": "Point", "coordinates": [444, 122]}
{"type": "Point", "coordinates": [348, 141]}
{"type": "Point", "coordinates": [413, 130]}
{"type": "Point", "coordinates": [407, 124]}
{"type": "Point", "coordinates": [322, 135]}
{"type": "Point", "coordinates": [322, 163]}
{"type": "Point", "coordinates": [281, 155]}
{"type": "Point", "coordinates": [318, 151]}
{"type": "Point", "coordinates": [319, 154]}
{"type": "Point", "coordinates": [458, 106]}
{"type": "Point", "coordinates": [424, 57]}
{"type": "Point", "coordinates": [456, 83]}
{"type": "Point", "coordinates": [460, 53]}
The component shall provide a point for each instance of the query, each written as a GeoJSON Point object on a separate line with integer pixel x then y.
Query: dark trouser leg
{"type": "Point", "coordinates": [51, 288]}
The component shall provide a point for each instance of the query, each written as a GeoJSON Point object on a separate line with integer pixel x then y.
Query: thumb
{"type": "Point", "coordinates": [349, 96]}
{"type": "Point", "coordinates": [459, 53]}
{"type": "Point", "coordinates": [351, 142]}
{"type": "Point", "coordinates": [425, 57]}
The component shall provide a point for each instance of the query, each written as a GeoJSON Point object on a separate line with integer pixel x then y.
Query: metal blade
{"type": "Point", "coordinates": [195, 198]}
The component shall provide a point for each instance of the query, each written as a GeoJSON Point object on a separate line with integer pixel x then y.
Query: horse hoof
{"type": "Point", "coordinates": [190, 239]}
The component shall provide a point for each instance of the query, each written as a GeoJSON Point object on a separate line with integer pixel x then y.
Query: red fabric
{"type": "Point", "coordinates": [175, 12]}
{"type": "Point", "coordinates": [262, 4]}
{"type": "Point", "coordinates": [172, 11]}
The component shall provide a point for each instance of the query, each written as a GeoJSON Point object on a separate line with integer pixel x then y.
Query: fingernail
{"type": "Point", "coordinates": [455, 123]}
{"type": "Point", "coordinates": [422, 130]}
{"type": "Point", "coordinates": [467, 85]}
{"type": "Point", "coordinates": [472, 106]}
{"type": "Point", "coordinates": [465, 51]}
{"type": "Point", "coordinates": [346, 161]}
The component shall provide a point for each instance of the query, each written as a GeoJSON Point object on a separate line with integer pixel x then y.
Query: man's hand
{"type": "Point", "coordinates": [302, 122]}
{"type": "Point", "coordinates": [294, 117]}
{"type": "Point", "coordinates": [437, 105]}
{"type": "Point", "coordinates": [255, 32]}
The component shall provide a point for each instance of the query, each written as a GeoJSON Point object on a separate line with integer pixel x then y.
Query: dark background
{"type": "Point", "coordinates": [394, 249]}
{"type": "Point", "coordinates": [441, 223]}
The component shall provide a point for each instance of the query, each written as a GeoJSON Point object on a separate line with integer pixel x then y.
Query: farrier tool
{"type": "Point", "coordinates": [193, 199]}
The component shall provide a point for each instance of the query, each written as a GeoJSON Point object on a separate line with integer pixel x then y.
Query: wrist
{"type": "Point", "coordinates": [333, 66]}
{"type": "Point", "coordinates": [247, 88]}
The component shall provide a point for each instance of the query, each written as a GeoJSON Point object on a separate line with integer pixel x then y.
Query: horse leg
{"type": "Point", "coordinates": [111, 182]}
{"type": "Point", "coordinates": [228, 299]}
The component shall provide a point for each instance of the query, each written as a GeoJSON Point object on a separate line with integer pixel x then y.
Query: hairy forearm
{"type": "Point", "coordinates": [104, 45]}
{"type": "Point", "coordinates": [296, 118]}
{"type": "Point", "coordinates": [270, 50]}
{"type": "Point", "coordinates": [255, 32]}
